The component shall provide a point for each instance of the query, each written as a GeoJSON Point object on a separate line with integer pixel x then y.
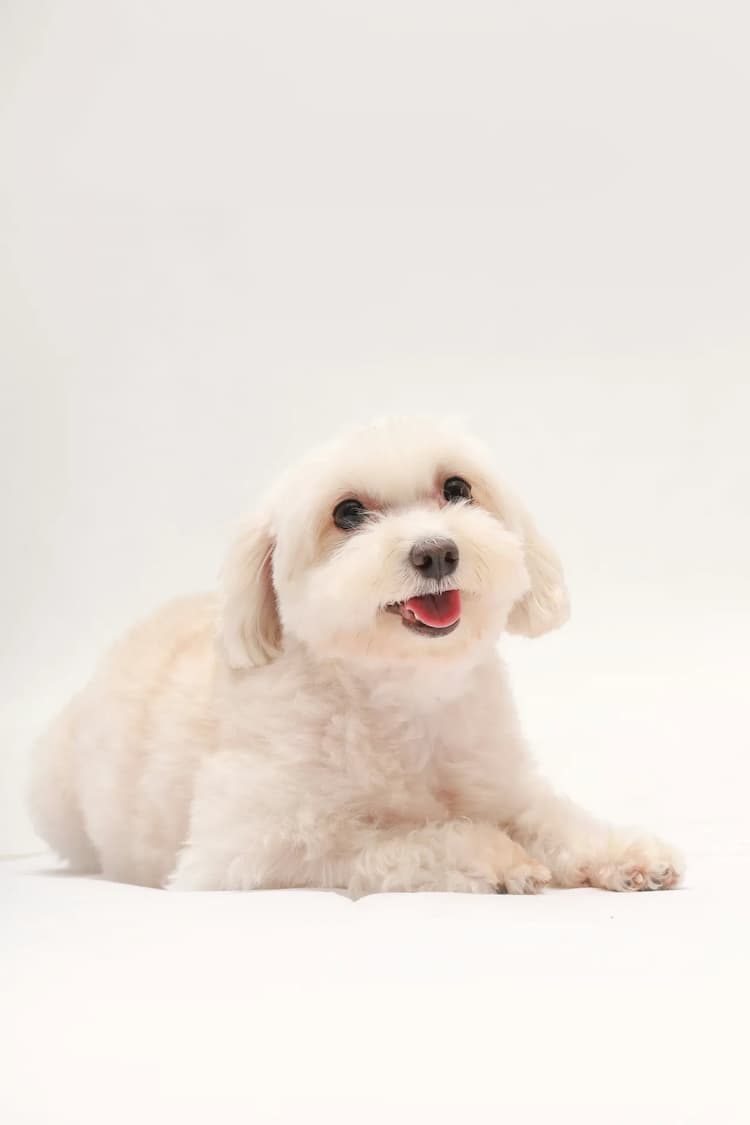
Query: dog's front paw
{"type": "Point", "coordinates": [524, 879]}
{"type": "Point", "coordinates": [644, 864]}
{"type": "Point", "coordinates": [456, 856]}
{"type": "Point", "coordinates": [514, 871]}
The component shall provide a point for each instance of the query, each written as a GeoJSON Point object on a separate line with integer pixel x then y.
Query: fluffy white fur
{"type": "Point", "coordinates": [292, 732]}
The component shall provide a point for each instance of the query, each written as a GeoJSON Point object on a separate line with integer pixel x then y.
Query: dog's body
{"type": "Point", "coordinates": [353, 726]}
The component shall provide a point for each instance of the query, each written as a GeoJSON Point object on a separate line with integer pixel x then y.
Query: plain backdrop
{"type": "Point", "coordinates": [227, 230]}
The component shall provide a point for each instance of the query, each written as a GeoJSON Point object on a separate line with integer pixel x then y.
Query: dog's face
{"type": "Point", "coordinates": [393, 544]}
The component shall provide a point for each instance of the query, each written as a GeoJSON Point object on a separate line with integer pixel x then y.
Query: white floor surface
{"type": "Point", "coordinates": [121, 1004]}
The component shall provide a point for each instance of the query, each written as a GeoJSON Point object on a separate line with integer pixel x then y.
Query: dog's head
{"type": "Point", "coordinates": [395, 543]}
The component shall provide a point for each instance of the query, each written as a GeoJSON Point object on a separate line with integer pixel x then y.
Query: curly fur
{"type": "Point", "coordinates": [292, 732]}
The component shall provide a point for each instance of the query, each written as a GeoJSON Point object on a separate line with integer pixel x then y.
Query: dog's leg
{"type": "Point", "coordinates": [450, 856]}
{"type": "Point", "coordinates": [581, 851]}
{"type": "Point", "coordinates": [453, 855]}
{"type": "Point", "coordinates": [252, 829]}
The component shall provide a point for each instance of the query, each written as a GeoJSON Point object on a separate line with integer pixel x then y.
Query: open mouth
{"type": "Point", "coordinates": [434, 615]}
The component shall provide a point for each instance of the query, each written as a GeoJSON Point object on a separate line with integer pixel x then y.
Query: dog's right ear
{"type": "Point", "coordinates": [250, 629]}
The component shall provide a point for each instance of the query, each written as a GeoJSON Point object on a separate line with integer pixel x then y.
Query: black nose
{"type": "Point", "coordinates": [435, 557]}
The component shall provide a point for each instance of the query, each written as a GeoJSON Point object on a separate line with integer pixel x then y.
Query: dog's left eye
{"type": "Point", "coordinates": [349, 514]}
{"type": "Point", "coordinates": [456, 488]}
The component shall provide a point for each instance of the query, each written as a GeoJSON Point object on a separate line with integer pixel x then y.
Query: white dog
{"type": "Point", "coordinates": [339, 717]}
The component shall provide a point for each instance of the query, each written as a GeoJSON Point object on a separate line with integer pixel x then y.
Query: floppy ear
{"type": "Point", "coordinates": [546, 605]}
{"type": "Point", "coordinates": [250, 629]}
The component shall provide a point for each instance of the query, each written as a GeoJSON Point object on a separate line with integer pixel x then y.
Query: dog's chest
{"type": "Point", "coordinates": [402, 766]}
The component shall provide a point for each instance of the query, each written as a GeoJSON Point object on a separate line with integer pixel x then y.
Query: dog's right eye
{"type": "Point", "coordinates": [349, 514]}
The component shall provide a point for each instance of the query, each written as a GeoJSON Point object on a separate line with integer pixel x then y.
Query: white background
{"type": "Point", "coordinates": [228, 229]}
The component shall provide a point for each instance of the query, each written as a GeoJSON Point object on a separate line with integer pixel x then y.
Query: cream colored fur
{"type": "Point", "coordinates": [291, 732]}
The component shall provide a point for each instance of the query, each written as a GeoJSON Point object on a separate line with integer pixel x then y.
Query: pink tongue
{"type": "Point", "coordinates": [437, 610]}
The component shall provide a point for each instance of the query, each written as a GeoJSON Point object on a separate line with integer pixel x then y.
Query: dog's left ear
{"type": "Point", "coordinates": [546, 605]}
{"type": "Point", "coordinates": [249, 627]}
